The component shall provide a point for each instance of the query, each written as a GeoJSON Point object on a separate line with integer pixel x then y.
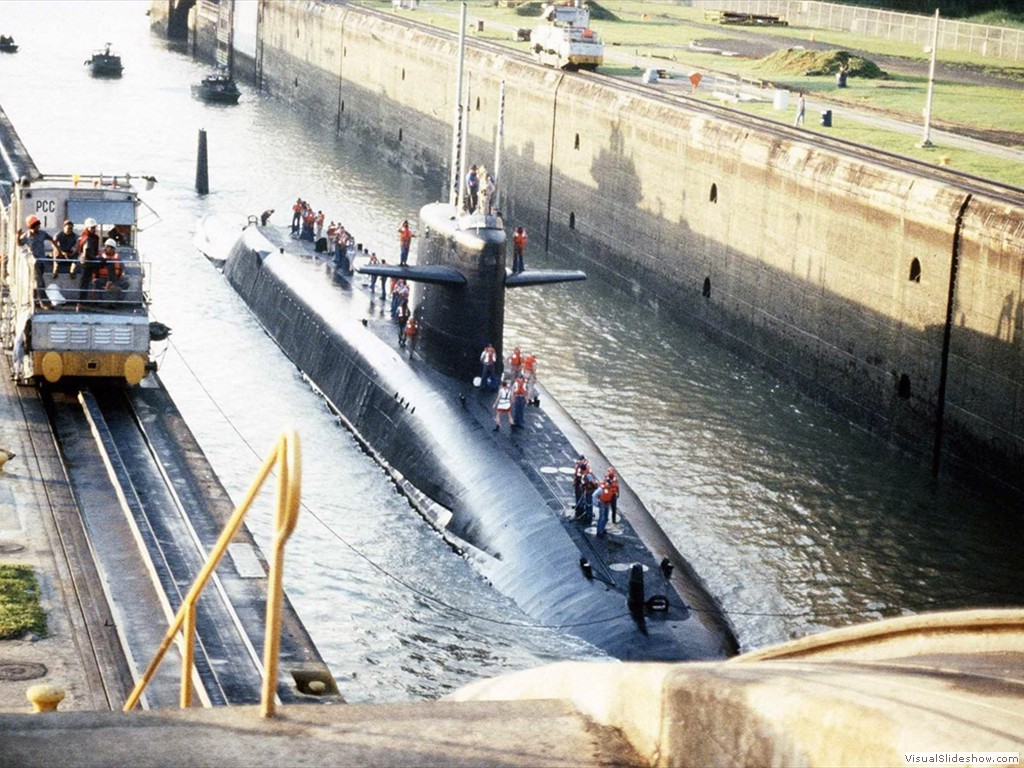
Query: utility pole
{"type": "Point", "coordinates": [926, 140]}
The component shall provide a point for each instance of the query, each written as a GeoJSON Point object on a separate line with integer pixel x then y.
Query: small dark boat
{"type": "Point", "coordinates": [105, 64]}
{"type": "Point", "coordinates": [7, 44]}
{"type": "Point", "coordinates": [218, 88]}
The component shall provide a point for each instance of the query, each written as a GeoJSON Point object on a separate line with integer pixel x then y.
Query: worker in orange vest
{"type": "Point", "coordinates": [518, 249]}
{"type": "Point", "coordinates": [515, 363]}
{"type": "Point", "coordinates": [530, 373]}
{"type": "Point", "coordinates": [519, 403]}
{"type": "Point", "coordinates": [412, 329]}
{"type": "Point", "coordinates": [405, 237]}
{"type": "Point", "coordinates": [604, 495]}
{"type": "Point", "coordinates": [612, 478]}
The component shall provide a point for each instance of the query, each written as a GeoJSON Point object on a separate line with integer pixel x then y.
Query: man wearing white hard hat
{"type": "Point", "coordinates": [109, 272]}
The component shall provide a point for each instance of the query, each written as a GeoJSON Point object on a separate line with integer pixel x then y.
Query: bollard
{"type": "Point", "coordinates": [635, 601]}
{"type": "Point", "coordinates": [588, 571]}
{"type": "Point", "coordinates": [202, 166]}
{"type": "Point", "coordinates": [45, 697]}
{"type": "Point", "coordinates": [666, 568]}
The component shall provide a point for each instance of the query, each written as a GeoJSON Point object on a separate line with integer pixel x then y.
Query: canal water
{"type": "Point", "coordinates": [796, 520]}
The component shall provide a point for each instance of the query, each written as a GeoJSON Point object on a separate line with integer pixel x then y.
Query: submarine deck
{"type": "Point", "coordinates": [545, 449]}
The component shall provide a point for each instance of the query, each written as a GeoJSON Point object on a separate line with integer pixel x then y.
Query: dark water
{"type": "Point", "coordinates": [796, 520]}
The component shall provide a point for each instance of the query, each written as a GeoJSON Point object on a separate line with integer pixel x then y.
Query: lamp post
{"type": "Point", "coordinates": [926, 140]}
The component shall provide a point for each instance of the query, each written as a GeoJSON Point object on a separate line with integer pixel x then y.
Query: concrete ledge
{"type": "Point", "coordinates": [416, 734]}
{"type": "Point", "coordinates": [858, 696]}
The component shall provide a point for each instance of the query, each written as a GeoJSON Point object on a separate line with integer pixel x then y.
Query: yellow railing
{"type": "Point", "coordinates": [289, 480]}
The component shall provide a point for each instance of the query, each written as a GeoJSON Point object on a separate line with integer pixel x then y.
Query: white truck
{"type": "Point", "coordinates": [564, 39]}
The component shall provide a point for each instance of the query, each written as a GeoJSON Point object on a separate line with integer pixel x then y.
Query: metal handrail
{"type": "Point", "coordinates": [286, 456]}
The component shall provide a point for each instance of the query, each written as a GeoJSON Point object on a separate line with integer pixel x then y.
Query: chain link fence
{"type": "Point", "coordinates": [979, 39]}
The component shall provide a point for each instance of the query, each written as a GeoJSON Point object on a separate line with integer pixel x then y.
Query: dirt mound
{"type": "Point", "coordinates": [597, 12]}
{"type": "Point", "coordinates": [799, 61]}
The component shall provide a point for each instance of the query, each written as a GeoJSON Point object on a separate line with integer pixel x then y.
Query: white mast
{"type": "Point", "coordinates": [455, 186]}
{"type": "Point", "coordinates": [464, 142]}
{"type": "Point", "coordinates": [497, 146]}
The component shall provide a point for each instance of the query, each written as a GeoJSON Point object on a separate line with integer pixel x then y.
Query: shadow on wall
{"type": "Point", "coordinates": [615, 174]}
{"type": "Point", "coordinates": [1010, 326]}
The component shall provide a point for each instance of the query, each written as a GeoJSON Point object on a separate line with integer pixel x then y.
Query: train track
{"type": "Point", "coordinates": [146, 549]}
{"type": "Point", "coordinates": [151, 509]}
{"type": "Point", "coordinates": [858, 152]}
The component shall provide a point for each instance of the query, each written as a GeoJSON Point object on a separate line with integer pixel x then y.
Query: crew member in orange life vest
{"type": "Point", "coordinates": [518, 249]}
{"type": "Point", "coordinates": [412, 329]}
{"type": "Point", "coordinates": [109, 269]}
{"type": "Point", "coordinates": [604, 499]}
{"type": "Point", "coordinates": [405, 237]}
{"type": "Point", "coordinates": [108, 272]}
{"type": "Point", "coordinates": [519, 403]}
{"type": "Point", "coordinates": [515, 363]}
{"type": "Point", "coordinates": [487, 360]}
{"type": "Point", "coordinates": [612, 478]}
{"type": "Point", "coordinates": [530, 372]}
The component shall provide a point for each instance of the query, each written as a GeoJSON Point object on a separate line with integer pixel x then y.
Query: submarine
{"type": "Point", "coordinates": [503, 499]}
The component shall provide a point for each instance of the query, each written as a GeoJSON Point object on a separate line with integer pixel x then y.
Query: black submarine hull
{"type": "Point", "coordinates": [496, 509]}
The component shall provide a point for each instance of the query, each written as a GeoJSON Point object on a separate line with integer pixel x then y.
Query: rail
{"type": "Point", "coordinates": [286, 457]}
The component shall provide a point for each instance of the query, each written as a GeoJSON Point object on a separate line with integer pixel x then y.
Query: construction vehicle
{"type": "Point", "coordinates": [564, 39]}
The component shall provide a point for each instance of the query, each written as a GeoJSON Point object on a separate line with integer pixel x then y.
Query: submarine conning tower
{"type": "Point", "coordinates": [458, 320]}
{"type": "Point", "coordinates": [458, 286]}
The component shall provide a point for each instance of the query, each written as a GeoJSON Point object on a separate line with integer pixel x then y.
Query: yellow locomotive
{"type": "Point", "coordinates": [75, 296]}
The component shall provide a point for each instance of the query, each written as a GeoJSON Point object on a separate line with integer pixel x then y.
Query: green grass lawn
{"type": "Point", "coordinates": [20, 611]}
{"type": "Point", "coordinates": [985, 166]}
{"type": "Point", "coordinates": [639, 31]}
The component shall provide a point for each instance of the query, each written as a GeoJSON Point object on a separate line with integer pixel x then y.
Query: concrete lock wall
{"type": "Point", "coordinates": [829, 269]}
